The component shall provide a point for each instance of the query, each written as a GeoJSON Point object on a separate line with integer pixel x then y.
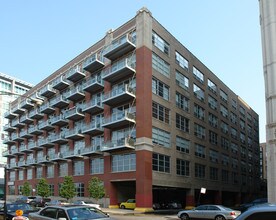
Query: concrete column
{"type": "Point", "coordinates": [190, 198]}
{"type": "Point", "coordinates": [218, 197]}
{"type": "Point", "coordinates": [268, 31]}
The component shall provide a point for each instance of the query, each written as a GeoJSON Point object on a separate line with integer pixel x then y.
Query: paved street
{"type": "Point", "coordinates": [144, 217]}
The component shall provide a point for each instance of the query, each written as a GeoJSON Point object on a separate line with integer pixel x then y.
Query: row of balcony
{"type": "Point", "coordinates": [109, 146]}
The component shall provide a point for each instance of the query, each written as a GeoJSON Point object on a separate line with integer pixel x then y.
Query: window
{"type": "Point", "coordinates": [234, 148]}
{"type": "Point", "coordinates": [181, 80]}
{"type": "Point", "coordinates": [21, 175]}
{"type": "Point", "coordinates": [79, 189]}
{"type": "Point", "coordinates": [160, 112]}
{"type": "Point", "coordinates": [212, 102]}
{"type": "Point", "coordinates": [249, 117]}
{"type": "Point", "coordinates": [199, 170]}
{"type": "Point", "coordinates": [123, 162]}
{"type": "Point", "coordinates": [199, 112]}
{"type": "Point", "coordinates": [214, 156]}
{"type": "Point", "coordinates": [234, 104]}
{"type": "Point", "coordinates": [224, 143]}
{"type": "Point", "coordinates": [182, 145]}
{"type": "Point", "coordinates": [161, 163]}
{"type": "Point", "coordinates": [242, 137]}
{"type": "Point", "coordinates": [235, 178]}
{"type": "Point", "coordinates": [52, 189]}
{"type": "Point", "coordinates": [234, 133]}
{"type": "Point", "coordinates": [213, 120]}
{"type": "Point", "coordinates": [234, 163]}
{"type": "Point", "coordinates": [78, 168]}
{"type": "Point", "coordinates": [200, 151]}
{"type": "Point", "coordinates": [63, 169]}
{"type": "Point", "coordinates": [199, 131]}
{"type": "Point", "coordinates": [97, 166]}
{"type": "Point", "coordinates": [224, 160]}
{"type": "Point", "coordinates": [213, 173]}
{"type": "Point", "coordinates": [225, 175]}
{"type": "Point", "coordinates": [213, 137]}
{"type": "Point", "coordinates": [224, 127]}
{"type": "Point", "coordinates": [39, 172]}
{"type": "Point", "coordinates": [182, 167]}
{"type": "Point", "coordinates": [182, 102]}
{"type": "Point", "coordinates": [212, 86]}
{"type": "Point", "coordinates": [223, 96]}
{"type": "Point", "coordinates": [160, 43]}
{"type": "Point", "coordinates": [29, 174]}
{"type": "Point", "coordinates": [198, 92]}
{"type": "Point", "coordinates": [160, 89]}
{"type": "Point", "coordinates": [233, 118]}
{"type": "Point", "coordinates": [223, 111]}
{"type": "Point", "coordinates": [160, 65]}
{"type": "Point", "coordinates": [242, 124]}
{"type": "Point", "coordinates": [198, 75]}
{"type": "Point", "coordinates": [182, 123]}
{"type": "Point", "coordinates": [161, 137]}
{"type": "Point", "coordinates": [181, 61]}
{"type": "Point", "coordinates": [242, 111]}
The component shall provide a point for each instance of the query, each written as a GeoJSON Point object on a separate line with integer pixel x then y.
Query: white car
{"type": "Point", "coordinates": [81, 202]}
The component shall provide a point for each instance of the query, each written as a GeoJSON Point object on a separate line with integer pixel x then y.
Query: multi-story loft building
{"type": "Point", "coordinates": [142, 113]}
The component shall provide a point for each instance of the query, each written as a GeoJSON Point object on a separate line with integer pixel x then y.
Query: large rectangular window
{"type": "Point", "coordinates": [214, 156]}
{"type": "Point", "coordinates": [182, 102]}
{"type": "Point", "coordinates": [160, 43]}
{"type": "Point", "coordinates": [224, 111]}
{"type": "Point", "coordinates": [213, 120]}
{"type": "Point", "coordinates": [50, 171]}
{"type": "Point", "coordinates": [63, 169]}
{"type": "Point", "coordinates": [160, 89]}
{"type": "Point", "coordinates": [199, 131]}
{"type": "Point", "coordinates": [199, 112]}
{"type": "Point", "coordinates": [212, 86]}
{"type": "Point", "coordinates": [181, 80]}
{"type": "Point", "coordinates": [213, 173]}
{"type": "Point", "coordinates": [181, 61]}
{"type": "Point", "coordinates": [200, 151]}
{"type": "Point", "coordinates": [97, 166]}
{"type": "Point", "coordinates": [199, 170]}
{"type": "Point", "coordinates": [198, 75]}
{"type": "Point", "coordinates": [160, 112]}
{"type": "Point", "coordinates": [213, 138]}
{"type": "Point", "coordinates": [79, 189]}
{"type": "Point", "coordinates": [78, 168]}
{"type": "Point", "coordinates": [21, 175]}
{"type": "Point", "coordinates": [160, 65]}
{"type": "Point", "coordinates": [182, 167]}
{"type": "Point", "coordinates": [39, 172]}
{"type": "Point", "coordinates": [223, 96]}
{"type": "Point", "coordinates": [161, 137]}
{"type": "Point", "coordinates": [160, 163]}
{"type": "Point", "coordinates": [182, 123]}
{"type": "Point", "coordinates": [182, 145]}
{"type": "Point", "coordinates": [123, 162]}
{"type": "Point", "coordinates": [198, 92]}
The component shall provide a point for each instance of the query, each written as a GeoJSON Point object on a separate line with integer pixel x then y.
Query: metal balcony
{"type": "Point", "coordinates": [16, 123]}
{"type": "Point", "coordinates": [75, 94]}
{"type": "Point", "coordinates": [22, 163]}
{"type": "Point", "coordinates": [93, 84]}
{"type": "Point", "coordinates": [24, 148]}
{"type": "Point", "coordinates": [58, 157]}
{"type": "Point", "coordinates": [26, 119]}
{"type": "Point", "coordinates": [93, 63]}
{"type": "Point", "coordinates": [46, 108]}
{"type": "Point", "coordinates": [121, 144]}
{"type": "Point", "coordinates": [60, 83]}
{"type": "Point", "coordinates": [35, 114]}
{"type": "Point", "coordinates": [75, 74]}
{"type": "Point", "coordinates": [74, 114]}
{"type": "Point", "coordinates": [45, 125]}
{"type": "Point", "coordinates": [44, 142]}
{"type": "Point", "coordinates": [47, 91]}
{"type": "Point", "coordinates": [15, 151]}
{"type": "Point", "coordinates": [74, 134]}
{"type": "Point", "coordinates": [93, 128]}
{"type": "Point", "coordinates": [9, 114]}
{"type": "Point", "coordinates": [93, 106]}
{"type": "Point", "coordinates": [17, 110]}
{"type": "Point", "coordinates": [12, 165]}
{"type": "Point", "coordinates": [31, 162]}
{"type": "Point", "coordinates": [33, 129]}
{"type": "Point", "coordinates": [33, 145]}
{"type": "Point", "coordinates": [91, 150]}
{"type": "Point", "coordinates": [60, 101]}
{"type": "Point", "coordinates": [59, 120]}
{"type": "Point", "coordinates": [71, 154]}
{"type": "Point", "coordinates": [45, 159]}
{"type": "Point", "coordinates": [7, 153]}
{"type": "Point", "coordinates": [27, 103]}
{"type": "Point", "coordinates": [119, 47]}
{"type": "Point", "coordinates": [8, 141]}
{"type": "Point", "coordinates": [119, 95]}
{"type": "Point", "coordinates": [58, 138]}
{"type": "Point", "coordinates": [119, 119]}
{"type": "Point", "coordinates": [124, 68]}
{"type": "Point", "coordinates": [9, 128]}
{"type": "Point", "coordinates": [16, 137]}
{"type": "Point", "coordinates": [25, 134]}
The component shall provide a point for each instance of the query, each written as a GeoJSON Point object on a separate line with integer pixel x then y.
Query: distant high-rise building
{"type": "Point", "coordinates": [139, 111]}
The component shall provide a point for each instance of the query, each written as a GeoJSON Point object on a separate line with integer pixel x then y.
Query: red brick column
{"type": "Point", "coordinates": [190, 199]}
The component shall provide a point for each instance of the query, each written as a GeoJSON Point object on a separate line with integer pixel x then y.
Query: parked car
{"type": "Point", "coordinates": [216, 212]}
{"type": "Point", "coordinates": [71, 212]}
{"type": "Point", "coordinates": [24, 199]}
{"type": "Point", "coordinates": [174, 205]}
{"type": "Point", "coordinates": [264, 211]}
{"type": "Point", "coordinates": [245, 206]}
{"type": "Point", "coordinates": [12, 207]}
{"type": "Point", "coordinates": [56, 203]}
{"type": "Point", "coordinates": [39, 201]}
{"type": "Point", "coordinates": [129, 204]}
{"type": "Point", "coordinates": [81, 202]}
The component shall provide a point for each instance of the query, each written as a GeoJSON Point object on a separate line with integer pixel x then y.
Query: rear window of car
{"type": "Point", "coordinates": [262, 215]}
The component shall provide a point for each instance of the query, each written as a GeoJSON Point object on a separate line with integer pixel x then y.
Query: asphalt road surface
{"type": "Point", "coordinates": [144, 217]}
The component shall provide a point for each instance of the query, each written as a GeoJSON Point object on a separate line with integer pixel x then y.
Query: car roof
{"type": "Point", "coordinates": [70, 206]}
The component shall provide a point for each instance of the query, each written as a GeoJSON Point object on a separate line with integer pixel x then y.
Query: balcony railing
{"type": "Point", "coordinates": [74, 114]}
{"type": "Point", "coordinates": [74, 134]}
{"type": "Point", "coordinates": [25, 134]}
{"type": "Point", "coordinates": [93, 128]}
{"type": "Point", "coordinates": [33, 129]}
{"type": "Point", "coordinates": [75, 93]}
{"type": "Point", "coordinates": [75, 74]}
{"type": "Point", "coordinates": [91, 150]}
{"type": "Point", "coordinates": [47, 91]}
{"type": "Point", "coordinates": [72, 154]}
{"type": "Point", "coordinates": [26, 104]}
{"type": "Point", "coordinates": [93, 106]}
{"type": "Point", "coordinates": [120, 46]}
{"type": "Point", "coordinates": [9, 128]}
{"type": "Point", "coordinates": [59, 120]}
{"type": "Point", "coordinates": [44, 142]}
{"type": "Point", "coordinates": [123, 68]}
{"type": "Point", "coordinates": [60, 101]}
{"type": "Point", "coordinates": [33, 145]}
{"type": "Point", "coordinates": [118, 119]}
{"type": "Point", "coordinates": [121, 144]}
{"type": "Point", "coordinates": [26, 119]}
{"type": "Point", "coordinates": [58, 138]}
{"type": "Point", "coordinates": [47, 108]}
{"type": "Point", "coordinates": [35, 114]}
{"type": "Point", "coordinates": [9, 114]}
{"type": "Point", "coordinates": [122, 94]}
{"type": "Point", "coordinates": [93, 63]}
{"type": "Point", "coordinates": [45, 125]}
{"type": "Point", "coordinates": [16, 123]}
{"type": "Point", "coordinates": [93, 84]}
{"type": "Point", "coordinates": [17, 109]}
{"type": "Point", "coordinates": [60, 83]}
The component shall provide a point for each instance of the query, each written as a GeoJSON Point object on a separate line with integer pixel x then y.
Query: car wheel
{"type": "Point", "coordinates": [219, 217]}
{"type": "Point", "coordinates": [122, 207]}
{"type": "Point", "coordinates": [184, 217]}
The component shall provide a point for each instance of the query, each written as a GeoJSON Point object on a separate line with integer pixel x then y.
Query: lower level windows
{"type": "Point", "coordinates": [199, 170]}
{"type": "Point", "coordinates": [182, 167]}
{"type": "Point", "coordinates": [161, 163]}
{"type": "Point", "coordinates": [123, 162]}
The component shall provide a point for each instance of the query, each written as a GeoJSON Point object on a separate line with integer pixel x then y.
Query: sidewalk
{"type": "Point", "coordinates": [120, 211]}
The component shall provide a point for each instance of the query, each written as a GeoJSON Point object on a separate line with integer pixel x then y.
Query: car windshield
{"type": "Point", "coordinates": [14, 207]}
{"type": "Point", "coordinates": [85, 213]}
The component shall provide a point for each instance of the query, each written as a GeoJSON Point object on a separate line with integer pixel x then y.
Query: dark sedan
{"type": "Point", "coordinates": [12, 207]}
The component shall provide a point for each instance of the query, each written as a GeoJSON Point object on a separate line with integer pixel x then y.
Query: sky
{"type": "Point", "coordinates": [38, 37]}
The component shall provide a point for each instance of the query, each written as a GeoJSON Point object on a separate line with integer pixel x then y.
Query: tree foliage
{"type": "Point", "coordinates": [43, 188]}
{"type": "Point", "coordinates": [68, 188]}
{"type": "Point", "coordinates": [26, 189]}
{"type": "Point", "coordinates": [96, 188]}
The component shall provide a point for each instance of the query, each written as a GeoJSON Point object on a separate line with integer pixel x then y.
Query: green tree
{"type": "Point", "coordinates": [43, 188]}
{"type": "Point", "coordinates": [96, 188]}
{"type": "Point", "coordinates": [68, 188]}
{"type": "Point", "coordinates": [26, 189]}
